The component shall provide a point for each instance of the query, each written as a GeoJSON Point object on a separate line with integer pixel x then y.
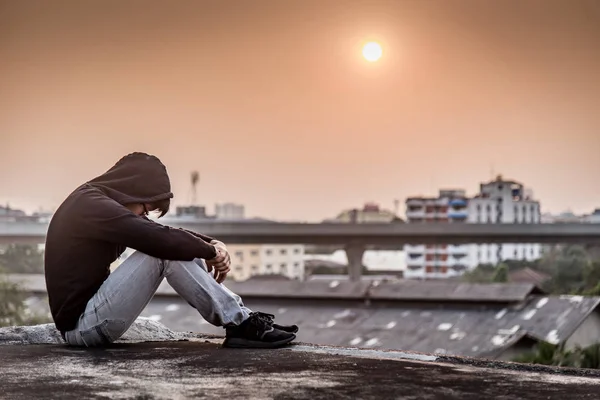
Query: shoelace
{"type": "Point", "coordinates": [267, 317]}
{"type": "Point", "coordinates": [259, 321]}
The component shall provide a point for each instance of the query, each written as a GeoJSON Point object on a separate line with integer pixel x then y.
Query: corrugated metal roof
{"type": "Point", "coordinates": [455, 331]}
{"type": "Point", "coordinates": [397, 290]}
{"type": "Point", "coordinates": [452, 291]}
{"type": "Point", "coordinates": [297, 289]}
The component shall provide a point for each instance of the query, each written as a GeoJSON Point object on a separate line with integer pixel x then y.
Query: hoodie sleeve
{"type": "Point", "coordinates": [113, 223]}
{"type": "Point", "coordinates": [207, 239]}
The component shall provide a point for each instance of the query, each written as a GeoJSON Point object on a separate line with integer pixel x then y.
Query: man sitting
{"type": "Point", "coordinates": [93, 307]}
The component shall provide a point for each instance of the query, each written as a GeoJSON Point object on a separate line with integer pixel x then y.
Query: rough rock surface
{"type": "Point", "coordinates": [142, 330]}
{"type": "Point", "coordinates": [199, 370]}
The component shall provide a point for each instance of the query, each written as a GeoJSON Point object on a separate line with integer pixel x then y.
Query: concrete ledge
{"type": "Point", "coordinates": [198, 367]}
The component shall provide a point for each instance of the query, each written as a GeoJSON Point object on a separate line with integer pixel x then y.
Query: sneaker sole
{"type": "Point", "coordinates": [239, 343]}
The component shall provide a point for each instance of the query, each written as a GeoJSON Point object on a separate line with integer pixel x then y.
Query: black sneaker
{"type": "Point", "coordinates": [270, 317]}
{"type": "Point", "coordinates": [256, 332]}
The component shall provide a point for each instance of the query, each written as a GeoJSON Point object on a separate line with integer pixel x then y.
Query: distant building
{"type": "Point", "coordinates": [269, 259]}
{"type": "Point", "coordinates": [497, 202]}
{"type": "Point", "coordinates": [437, 261]}
{"type": "Point", "coordinates": [8, 214]}
{"type": "Point", "coordinates": [566, 217]}
{"type": "Point", "coordinates": [593, 218]}
{"type": "Point", "coordinates": [370, 213]}
{"type": "Point", "coordinates": [229, 211]}
{"type": "Point", "coordinates": [196, 212]}
{"type": "Point", "coordinates": [504, 202]}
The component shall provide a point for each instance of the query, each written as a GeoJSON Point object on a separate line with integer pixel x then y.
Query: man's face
{"type": "Point", "coordinates": [141, 209]}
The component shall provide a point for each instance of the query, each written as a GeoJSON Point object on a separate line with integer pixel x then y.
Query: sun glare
{"type": "Point", "coordinates": [372, 51]}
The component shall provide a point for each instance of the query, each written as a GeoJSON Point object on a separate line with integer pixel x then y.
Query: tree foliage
{"type": "Point", "coordinates": [22, 259]}
{"type": "Point", "coordinates": [549, 354]}
{"type": "Point", "coordinates": [500, 274]}
{"type": "Point", "coordinates": [13, 310]}
{"type": "Point", "coordinates": [481, 274]}
{"type": "Point", "coordinates": [572, 270]}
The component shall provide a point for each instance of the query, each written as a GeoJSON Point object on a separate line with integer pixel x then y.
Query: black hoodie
{"type": "Point", "coordinates": [92, 228]}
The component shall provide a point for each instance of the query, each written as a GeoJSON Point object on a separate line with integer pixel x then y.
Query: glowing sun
{"type": "Point", "coordinates": [372, 51]}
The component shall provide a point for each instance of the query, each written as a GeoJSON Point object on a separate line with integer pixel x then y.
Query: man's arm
{"type": "Point", "coordinates": [115, 224]}
{"type": "Point", "coordinates": [207, 239]}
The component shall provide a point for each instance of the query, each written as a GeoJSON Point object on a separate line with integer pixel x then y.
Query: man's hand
{"type": "Point", "coordinates": [220, 263]}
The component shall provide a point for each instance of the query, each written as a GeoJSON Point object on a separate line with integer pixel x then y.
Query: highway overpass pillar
{"type": "Point", "coordinates": [354, 253]}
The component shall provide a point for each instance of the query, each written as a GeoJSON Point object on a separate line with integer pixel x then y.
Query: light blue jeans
{"type": "Point", "coordinates": [127, 291]}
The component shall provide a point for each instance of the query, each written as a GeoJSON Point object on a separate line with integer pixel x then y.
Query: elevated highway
{"type": "Point", "coordinates": [355, 238]}
{"type": "Point", "coordinates": [380, 235]}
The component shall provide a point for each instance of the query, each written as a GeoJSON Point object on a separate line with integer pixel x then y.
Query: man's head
{"type": "Point", "coordinates": [138, 181]}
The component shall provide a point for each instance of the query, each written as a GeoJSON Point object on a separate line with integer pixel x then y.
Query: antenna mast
{"type": "Point", "coordinates": [194, 179]}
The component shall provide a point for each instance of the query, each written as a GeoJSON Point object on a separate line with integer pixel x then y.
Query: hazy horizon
{"type": "Point", "coordinates": [273, 104]}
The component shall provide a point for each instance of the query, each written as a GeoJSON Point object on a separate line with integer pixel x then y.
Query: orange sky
{"type": "Point", "coordinates": [273, 104]}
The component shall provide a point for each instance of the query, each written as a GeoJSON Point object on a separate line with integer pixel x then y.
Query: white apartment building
{"type": "Point", "coordinates": [504, 202]}
{"type": "Point", "coordinates": [266, 259]}
{"type": "Point", "coordinates": [497, 202]}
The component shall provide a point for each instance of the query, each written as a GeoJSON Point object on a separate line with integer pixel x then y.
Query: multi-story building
{"type": "Point", "coordinates": [267, 259]}
{"type": "Point", "coordinates": [497, 202]}
{"type": "Point", "coordinates": [504, 202]}
{"type": "Point", "coordinates": [229, 211]}
{"type": "Point", "coordinates": [437, 261]}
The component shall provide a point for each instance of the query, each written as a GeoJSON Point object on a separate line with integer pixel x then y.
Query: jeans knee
{"type": "Point", "coordinates": [146, 259]}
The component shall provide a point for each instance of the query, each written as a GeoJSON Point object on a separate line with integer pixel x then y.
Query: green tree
{"type": "Point", "coordinates": [567, 265]}
{"type": "Point", "coordinates": [481, 274]}
{"type": "Point", "coordinates": [544, 354]}
{"type": "Point", "coordinates": [591, 276]}
{"type": "Point", "coordinates": [595, 291]}
{"type": "Point", "coordinates": [500, 274]}
{"type": "Point", "coordinates": [13, 310]}
{"type": "Point", "coordinates": [549, 354]}
{"type": "Point", "coordinates": [22, 259]}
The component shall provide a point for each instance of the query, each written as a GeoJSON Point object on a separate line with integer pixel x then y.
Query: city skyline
{"type": "Point", "coordinates": [275, 106]}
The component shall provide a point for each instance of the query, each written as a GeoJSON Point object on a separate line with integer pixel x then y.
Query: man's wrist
{"type": "Point", "coordinates": [216, 251]}
{"type": "Point", "coordinates": [218, 244]}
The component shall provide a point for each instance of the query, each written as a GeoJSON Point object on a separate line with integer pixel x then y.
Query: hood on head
{"type": "Point", "coordinates": [135, 178]}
